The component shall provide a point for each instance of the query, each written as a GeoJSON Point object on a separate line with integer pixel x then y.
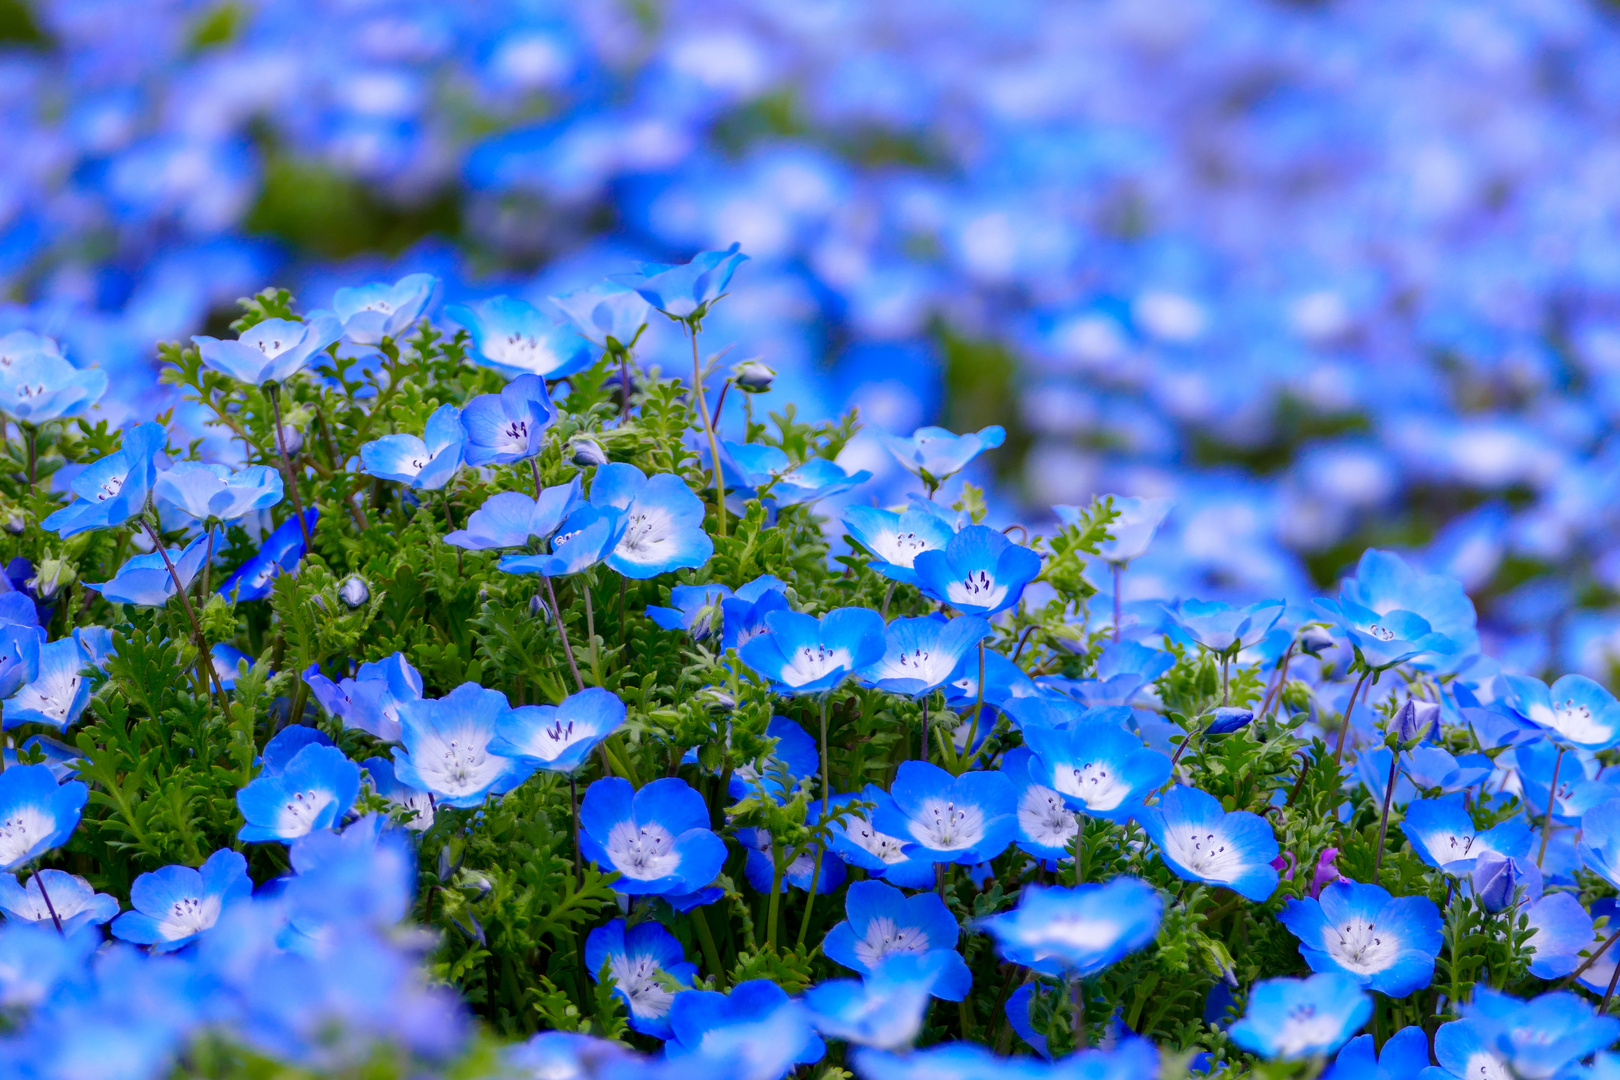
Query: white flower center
{"type": "Point", "coordinates": [514, 437]}
{"type": "Point", "coordinates": [1576, 722]}
{"type": "Point", "coordinates": [646, 534]}
{"type": "Point", "coordinates": [637, 978]}
{"type": "Point", "coordinates": [1203, 851]}
{"type": "Point", "coordinates": [1099, 786]}
{"type": "Point", "coordinates": [882, 845]}
{"type": "Point", "coordinates": [945, 825]}
{"type": "Point", "coordinates": [187, 916]}
{"type": "Point", "coordinates": [1382, 633]}
{"type": "Point", "coordinates": [298, 813]}
{"type": "Point", "coordinates": [460, 764]}
{"type": "Point", "coordinates": [900, 548]}
{"type": "Point", "coordinates": [642, 852]}
{"type": "Point", "coordinates": [1307, 1029]}
{"type": "Point", "coordinates": [52, 695]}
{"type": "Point", "coordinates": [1361, 947]}
{"type": "Point", "coordinates": [884, 939]}
{"type": "Point", "coordinates": [1483, 1066]}
{"type": "Point", "coordinates": [560, 736]}
{"type": "Point", "coordinates": [977, 588]}
{"type": "Point", "coordinates": [1044, 819]}
{"type": "Point", "coordinates": [26, 826]}
{"type": "Point", "coordinates": [811, 662]}
{"type": "Point", "coordinates": [109, 487]}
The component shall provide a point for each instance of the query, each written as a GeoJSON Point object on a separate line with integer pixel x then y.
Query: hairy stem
{"type": "Point", "coordinates": [1546, 823]}
{"type": "Point", "coordinates": [562, 632]}
{"type": "Point", "coordinates": [273, 392]}
{"type": "Point", "coordinates": [708, 428]}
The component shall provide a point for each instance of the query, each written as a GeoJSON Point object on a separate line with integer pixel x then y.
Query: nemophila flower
{"type": "Point", "coordinates": [1122, 670]}
{"type": "Point", "coordinates": [508, 426]}
{"type": "Point", "coordinates": [112, 489]}
{"type": "Point", "coordinates": [515, 338]}
{"type": "Point", "coordinates": [363, 876]}
{"type": "Point", "coordinates": [282, 550]}
{"type": "Point", "coordinates": [36, 813]}
{"type": "Point", "coordinates": [425, 463]}
{"type": "Point", "coordinates": [657, 838]}
{"type": "Point", "coordinates": [1404, 1057]}
{"type": "Point", "coordinates": [272, 351]}
{"type": "Point", "coordinates": [1004, 683]}
{"type": "Point", "coordinates": [1599, 845]}
{"type": "Point", "coordinates": [1080, 931]}
{"type": "Point", "coordinates": [1225, 719]}
{"type": "Point", "coordinates": [145, 580]}
{"type": "Point", "coordinates": [884, 923]}
{"type": "Point", "coordinates": [176, 904]}
{"type": "Point", "coordinates": [639, 958]}
{"type": "Point", "coordinates": [1559, 929]}
{"type": "Point", "coordinates": [1046, 825]}
{"type": "Point", "coordinates": [895, 539]}
{"type": "Point", "coordinates": [1443, 834]}
{"type": "Point", "coordinates": [936, 454]}
{"type": "Point", "coordinates": [1415, 722]}
{"type": "Point", "coordinates": [1542, 1037]}
{"type": "Point", "coordinates": [1219, 626]}
{"type": "Point", "coordinates": [216, 492]}
{"type": "Point", "coordinates": [1386, 944]}
{"type": "Point", "coordinates": [227, 661]}
{"type": "Point", "coordinates": [979, 572]}
{"type": "Point", "coordinates": [886, 1008]}
{"type": "Point", "coordinates": [510, 519]}
{"type": "Point", "coordinates": [1575, 711]}
{"type": "Point", "coordinates": [73, 902]}
{"type": "Point", "coordinates": [40, 387]}
{"type": "Point", "coordinates": [558, 738]}
{"type": "Point", "coordinates": [370, 701]}
{"type": "Point", "coordinates": [313, 792]}
{"type": "Point", "coordinates": [696, 610]}
{"type": "Point", "coordinates": [608, 315]}
{"type": "Point", "coordinates": [919, 654]}
{"type": "Point", "coordinates": [663, 521]}
{"type": "Point", "coordinates": [744, 612]}
{"type": "Point", "coordinates": [19, 657]}
{"type": "Point", "coordinates": [417, 804]}
{"type": "Point", "coordinates": [1430, 767]}
{"type": "Point", "coordinates": [1500, 882]}
{"type": "Point", "coordinates": [58, 692]}
{"type": "Point", "coordinates": [965, 819]}
{"type": "Point", "coordinates": [447, 747]}
{"type": "Point", "coordinates": [589, 536]}
{"type": "Point", "coordinates": [1202, 842]}
{"type": "Point", "coordinates": [567, 1055]}
{"type": "Point", "coordinates": [802, 655]}
{"type": "Point", "coordinates": [1535, 765]}
{"type": "Point", "coordinates": [801, 873]}
{"type": "Point", "coordinates": [1292, 1019]}
{"type": "Point", "coordinates": [1464, 1051]}
{"type": "Point", "coordinates": [759, 467]}
{"type": "Point", "coordinates": [1385, 583]}
{"type": "Point", "coordinates": [794, 753]}
{"type": "Point", "coordinates": [858, 842]}
{"type": "Point", "coordinates": [685, 290]}
{"type": "Point", "coordinates": [1384, 639]}
{"type": "Point", "coordinates": [756, 1031]}
{"type": "Point", "coordinates": [286, 744]}
{"type": "Point", "coordinates": [379, 310]}
{"type": "Point", "coordinates": [1098, 768]}
{"type": "Point", "coordinates": [37, 964]}
{"type": "Point", "coordinates": [1136, 521]}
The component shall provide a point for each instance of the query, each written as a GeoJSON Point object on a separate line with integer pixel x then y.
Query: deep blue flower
{"type": "Point", "coordinates": [1575, 711]}
{"type": "Point", "coordinates": [40, 387]}
{"type": "Point", "coordinates": [58, 692]}
{"type": "Point", "coordinates": [1464, 1051]}
{"type": "Point", "coordinates": [508, 426]}
{"type": "Point", "coordinates": [370, 701]}
{"type": "Point", "coordinates": [883, 923]}
{"type": "Point", "coordinates": [802, 655]}
{"type": "Point", "coordinates": [768, 471]}
{"type": "Point", "coordinates": [794, 752]}
{"type": "Point", "coordinates": [227, 661]}
{"type": "Point", "coordinates": [744, 613]}
{"type": "Point", "coordinates": [685, 290]}
{"type": "Point", "coordinates": [313, 792]}
{"type": "Point", "coordinates": [657, 838]}
{"type": "Point", "coordinates": [886, 1008]}
{"type": "Point", "coordinates": [286, 744]}
{"type": "Point", "coordinates": [696, 610]}
{"type": "Point", "coordinates": [377, 310]}
{"type": "Point", "coordinates": [511, 519]}
{"type": "Point", "coordinates": [1098, 768]}
{"type": "Point", "coordinates": [589, 536]}
{"type": "Point", "coordinates": [272, 351]}
{"type": "Point", "coordinates": [1219, 626]}
{"type": "Point", "coordinates": [1202, 842]}
{"type": "Point", "coordinates": [1046, 825]}
{"type": "Point", "coordinates": [936, 455]}
{"type": "Point", "coordinates": [426, 463]}
{"type": "Point", "coordinates": [1404, 1057]}
{"type": "Point", "coordinates": [756, 1031]}
{"type": "Point", "coordinates": [1542, 1037]}
{"type": "Point", "coordinates": [860, 843]}
{"type": "Point", "coordinates": [965, 819]}
{"type": "Point", "coordinates": [1225, 719]}
{"type": "Point", "coordinates": [1385, 583]}
{"type": "Point", "coordinates": [217, 493]}
{"type": "Point", "coordinates": [979, 572]}
{"type": "Point", "coordinates": [1080, 931]}
{"type": "Point", "coordinates": [145, 580]}
{"type": "Point", "coordinates": [447, 747]}
{"type": "Point", "coordinates": [115, 488]}
{"type": "Point", "coordinates": [1384, 639]}
{"type": "Point", "coordinates": [663, 521]}
{"type": "Point", "coordinates": [1599, 845]}
{"type": "Point", "coordinates": [609, 315]}
{"type": "Point", "coordinates": [801, 873]}
{"type": "Point", "coordinates": [1384, 944]}
{"type": "Point", "coordinates": [638, 958]}
{"type": "Point", "coordinates": [921, 653]}
{"type": "Point", "coordinates": [1415, 722]}
{"type": "Point", "coordinates": [73, 902]}
{"type": "Point", "coordinates": [558, 738]}
{"type": "Point", "coordinates": [176, 904]}
{"type": "Point", "coordinates": [1293, 1019]}
{"type": "Point", "coordinates": [282, 550]}
{"type": "Point", "coordinates": [895, 539]}
{"type": "Point", "coordinates": [514, 338]}
{"type": "Point", "coordinates": [1443, 834]}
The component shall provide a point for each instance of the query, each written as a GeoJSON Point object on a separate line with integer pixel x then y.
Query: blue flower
{"type": "Point", "coordinates": [508, 426]}
{"type": "Point", "coordinates": [20, 644]}
{"type": "Point", "coordinates": [227, 661]}
{"type": "Point", "coordinates": [112, 489]}
{"type": "Point", "coordinates": [658, 838]}
{"type": "Point", "coordinates": [801, 655]}
{"type": "Point", "coordinates": [607, 314]}
{"type": "Point", "coordinates": [1122, 669]}
{"type": "Point", "coordinates": [1046, 826]}
{"type": "Point", "coordinates": [858, 841]}
{"type": "Point", "coordinates": [1443, 834]}
{"type": "Point", "coordinates": [1022, 1021]}
{"type": "Point", "coordinates": [638, 958]}
{"type": "Point", "coordinates": [145, 580]}
{"type": "Point", "coordinates": [72, 900]}
{"type": "Point", "coordinates": [1575, 794]}
{"type": "Point", "coordinates": [377, 310]}
{"type": "Point", "coordinates": [588, 536]}
{"type": "Point", "coordinates": [1202, 842]}
{"type": "Point", "coordinates": [1384, 639]}
{"type": "Point", "coordinates": [1500, 882]}
{"type": "Point", "coordinates": [884, 923]}
{"type": "Point", "coordinates": [558, 738]}
{"type": "Point", "coordinates": [272, 351]}
{"type": "Point", "coordinates": [176, 904]}
{"type": "Point", "coordinates": [896, 539]}
{"type": "Point", "coordinates": [1005, 683]}
{"type": "Point", "coordinates": [979, 572]}
{"type": "Point", "coordinates": [751, 465]}
{"type": "Point", "coordinates": [1385, 583]}
{"type": "Point", "coordinates": [1542, 1037]}
{"type": "Point", "coordinates": [756, 1031]}
{"type": "Point", "coordinates": [794, 751]}
{"type": "Point", "coordinates": [685, 291]}
{"type": "Point", "coordinates": [1384, 944]}
{"type": "Point", "coordinates": [416, 802]}
{"type": "Point", "coordinates": [1225, 719]}
{"type": "Point", "coordinates": [1293, 1019]}
{"type": "Point", "coordinates": [425, 464]}
{"type": "Point", "coordinates": [744, 613]}
{"type": "Point", "coordinates": [514, 338]}
{"type": "Point", "coordinates": [566, 1055]}
{"type": "Point", "coordinates": [964, 819]}
{"type": "Point", "coordinates": [921, 653]}
{"type": "Point", "coordinates": [936, 455]}
{"type": "Point", "coordinates": [1136, 521]}
{"type": "Point", "coordinates": [886, 1008]}
{"type": "Point", "coordinates": [1219, 626]}
{"type": "Point", "coordinates": [40, 387]}
{"type": "Point", "coordinates": [1405, 1056]}
{"type": "Point", "coordinates": [663, 521]}
{"type": "Point", "coordinates": [1077, 932]}
{"type": "Point", "coordinates": [1098, 768]}
{"type": "Point", "coordinates": [215, 492]}
{"type": "Point", "coordinates": [1575, 711]}
{"type": "Point", "coordinates": [696, 610]}
{"type": "Point", "coordinates": [282, 550]}
{"type": "Point", "coordinates": [1464, 1051]}
{"type": "Point", "coordinates": [447, 747]}
{"type": "Point", "coordinates": [58, 692]}
{"type": "Point", "coordinates": [313, 792]}
{"type": "Point", "coordinates": [1599, 845]}
{"type": "Point", "coordinates": [801, 873]}
{"type": "Point", "coordinates": [510, 519]}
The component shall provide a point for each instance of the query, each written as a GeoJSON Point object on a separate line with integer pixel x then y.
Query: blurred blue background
{"type": "Point", "coordinates": [1330, 274]}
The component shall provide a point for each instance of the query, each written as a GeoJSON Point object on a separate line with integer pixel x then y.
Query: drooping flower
{"type": "Point", "coordinates": [40, 387]}
{"type": "Point", "coordinates": [558, 738]}
{"type": "Point", "coordinates": [1292, 1019]}
{"type": "Point", "coordinates": [696, 611]}
{"type": "Point", "coordinates": [1405, 1056]}
{"type": "Point", "coordinates": [176, 904]}
{"type": "Point", "coordinates": [936, 455]}
{"type": "Point", "coordinates": [1540, 1038]}
{"type": "Point", "coordinates": [663, 521]}
{"type": "Point", "coordinates": [685, 291]}
{"type": "Point", "coordinates": [282, 550]}
{"type": "Point", "coordinates": [860, 843]}
{"type": "Point", "coordinates": [1077, 932]}
{"type": "Point", "coordinates": [638, 958]}
{"type": "Point", "coordinates": [803, 655]}
{"type": "Point", "coordinates": [1443, 834]}
{"type": "Point", "coordinates": [967, 819]}
{"type": "Point", "coordinates": [58, 692]}
{"type": "Point", "coordinates": [314, 791]}
{"type": "Point", "coordinates": [1200, 841]}
{"type": "Point", "coordinates": [272, 351]}
{"type": "Point", "coordinates": [112, 489]}
{"type": "Point", "coordinates": [425, 463]}
{"type": "Point", "coordinates": [920, 654]}
{"type": "Point", "coordinates": [508, 426]}
{"type": "Point", "coordinates": [514, 338]}
{"type": "Point", "coordinates": [609, 315]}
{"type": "Point", "coordinates": [1385, 944]}
{"type": "Point", "coordinates": [510, 519]}
{"type": "Point", "coordinates": [1219, 626]}
{"type": "Point", "coordinates": [447, 747]}
{"type": "Point", "coordinates": [370, 701]}
{"type": "Point", "coordinates": [377, 310]}
{"type": "Point", "coordinates": [416, 802]}
{"type": "Point", "coordinates": [895, 539]}
{"type": "Point", "coordinates": [1575, 711]}
{"type": "Point", "coordinates": [589, 536]}
{"type": "Point", "coordinates": [145, 580]}
{"type": "Point", "coordinates": [215, 492]}
{"type": "Point", "coordinates": [1046, 825]}
{"type": "Point", "coordinates": [73, 902]}
{"type": "Point", "coordinates": [1385, 583]}
{"type": "Point", "coordinates": [979, 572]}
{"type": "Point", "coordinates": [1098, 768]}
{"type": "Point", "coordinates": [657, 838]}
{"type": "Point", "coordinates": [886, 1008]}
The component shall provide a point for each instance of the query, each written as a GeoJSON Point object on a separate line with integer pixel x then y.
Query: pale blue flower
{"type": "Point", "coordinates": [115, 488]}
{"type": "Point", "coordinates": [40, 387]}
{"type": "Point", "coordinates": [514, 338]}
{"type": "Point", "coordinates": [1443, 834]}
{"type": "Point", "coordinates": [1219, 626]}
{"type": "Point", "coordinates": [281, 551]}
{"type": "Point", "coordinates": [1077, 932]}
{"type": "Point", "coordinates": [919, 654]}
{"type": "Point", "coordinates": [36, 813]}
{"type": "Point", "coordinates": [59, 690]}
{"type": "Point", "coordinates": [756, 1031]}
{"type": "Point", "coordinates": [935, 454]}
{"type": "Point", "coordinates": [1405, 1056]}
{"type": "Point", "coordinates": [1201, 841]}
{"type": "Point", "coordinates": [1575, 711]}
{"type": "Point", "coordinates": [1046, 825]}
{"type": "Point", "coordinates": [687, 290]}
{"type": "Point", "coordinates": [663, 528]}
{"type": "Point", "coordinates": [639, 958]}
{"type": "Point", "coordinates": [511, 519]}
{"type": "Point", "coordinates": [657, 838]}
{"type": "Point", "coordinates": [313, 792]}
{"type": "Point", "coordinates": [1384, 943]}
{"type": "Point", "coordinates": [607, 314]}
{"type": "Point", "coordinates": [1384, 640]}
{"type": "Point", "coordinates": [145, 580]}
{"type": "Point", "coordinates": [802, 655]}
{"type": "Point", "coordinates": [1385, 583]}
{"type": "Point", "coordinates": [377, 310]}
{"type": "Point", "coordinates": [176, 904]}
{"type": "Point", "coordinates": [768, 471]}
{"type": "Point", "coordinates": [1132, 530]}
{"type": "Point", "coordinates": [886, 1008]}
{"type": "Point", "coordinates": [1294, 1019]}
{"type": "Point", "coordinates": [589, 536]}
{"type": "Point", "coordinates": [895, 539]}
{"type": "Point", "coordinates": [272, 351]}
{"type": "Point", "coordinates": [1099, 768]}
{"type": "Point", "coordinates": [508, 426]}
{"type": "Point", "coordinates": [1540, 1038]}
{"type": "Point", "coordinates": [73, 902]}
{"type": "Point", "coordinates": [967, 819]}
{"type": "Point", "coordinates": [426, 463]}
{"type": "Point", "coordinates": [210, 492]}
{"type": "Point", "coordinates": [559, 738]}
{"type": "Point", "coordinates": [447, 747]}
{"type": "Point", "coordinates": [978, 572]}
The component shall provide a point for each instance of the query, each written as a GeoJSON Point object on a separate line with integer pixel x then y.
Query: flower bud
{"type": "Point", "coordinates": [716, 700]}
{"type": "Point", "coordinates": [1315, 640]}
{"type": "Point", "coordinates": [353, 592]}
{"type": "Point", "coordinates": [1415, 722]}
{"type": "Point", "coordinates": [753, 377]}
{"type": "Point", "coordinates": [1229, 718]}
{"type": "Point", "coordinates": [15, 524]}
{"type": "Point", "coordinates": [292, 439]}
{"type": "Point", "coordinates": [52, 575]}
{"type": "Point", "coordinates": [1497, 880]}
{"type": "Point", "coordinates": [587, 452]}
{"type": "Point", "coordinates": [537, 606]}
{"type": "Point", "coordinates": [319, 601]}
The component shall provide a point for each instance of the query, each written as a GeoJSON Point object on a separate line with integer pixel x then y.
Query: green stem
{"type": "Point", "coordinates": [810, 898]}
{"type": "Point", "coordinates": [273, 392]}
{"type": "Point", "coordinates": [1546, 822]}
{"type": "Point", "coordinates": [826, 771]}
{"type": "Point", "coordinates": [700, 922]}
{"type": "Point", "coordinates": [708, 428]}
{"type": "Point", "coordinates": [1338, 751]}
{"type": "Point", "coordinates": [562, 632]}
{"type": "Point", "coordinates": [1383, 819]}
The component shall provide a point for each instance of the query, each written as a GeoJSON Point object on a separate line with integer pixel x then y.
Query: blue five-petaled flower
{"type": "Point", "coordinates": [657, 838]}
{"type": "Point", "coordinates": [1384, 943]}
{"type": "Point", "coordinates": [177, 903]}
{"type": "Point", "coordinates": [1200, 841]}
{"type": "Point", "coordinates": [978, 572]}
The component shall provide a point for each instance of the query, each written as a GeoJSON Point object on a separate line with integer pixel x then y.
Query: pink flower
{"type": "Point", "coordinates": [1326, 873]}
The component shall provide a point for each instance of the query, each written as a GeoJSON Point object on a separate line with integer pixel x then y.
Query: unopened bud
{"type": "Point", "coordinates": [291, 439]}
{"type": "Point", "coordinates": [1415, 722]}
{"type": "Point", "coordinates": [1315, 640]}
{"type": "Point", "coordinates": [52, 575]}
{"type": "Point", "coordinates": [1497, 880]}
{"type": "Point", "coordinates": [753, 377]}
{"type": "Point", "coordinates": [536, 605]}
{"type": "Point", "coordinates": [1229, 718]}
{"type": "Point", "coordinates": [353, 591]}
{"type": "Point", "coordinates": [15, 524]}
{"type": "Point", "coordinates": [716, 700]}
{"type": "Point", "coordinates": [587, 452]}
{"type": "Point", "coordinates": [319, 601]}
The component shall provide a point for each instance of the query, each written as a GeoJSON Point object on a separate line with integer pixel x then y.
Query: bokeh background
{"type": "Point", "coordinates": [1329, 273]}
